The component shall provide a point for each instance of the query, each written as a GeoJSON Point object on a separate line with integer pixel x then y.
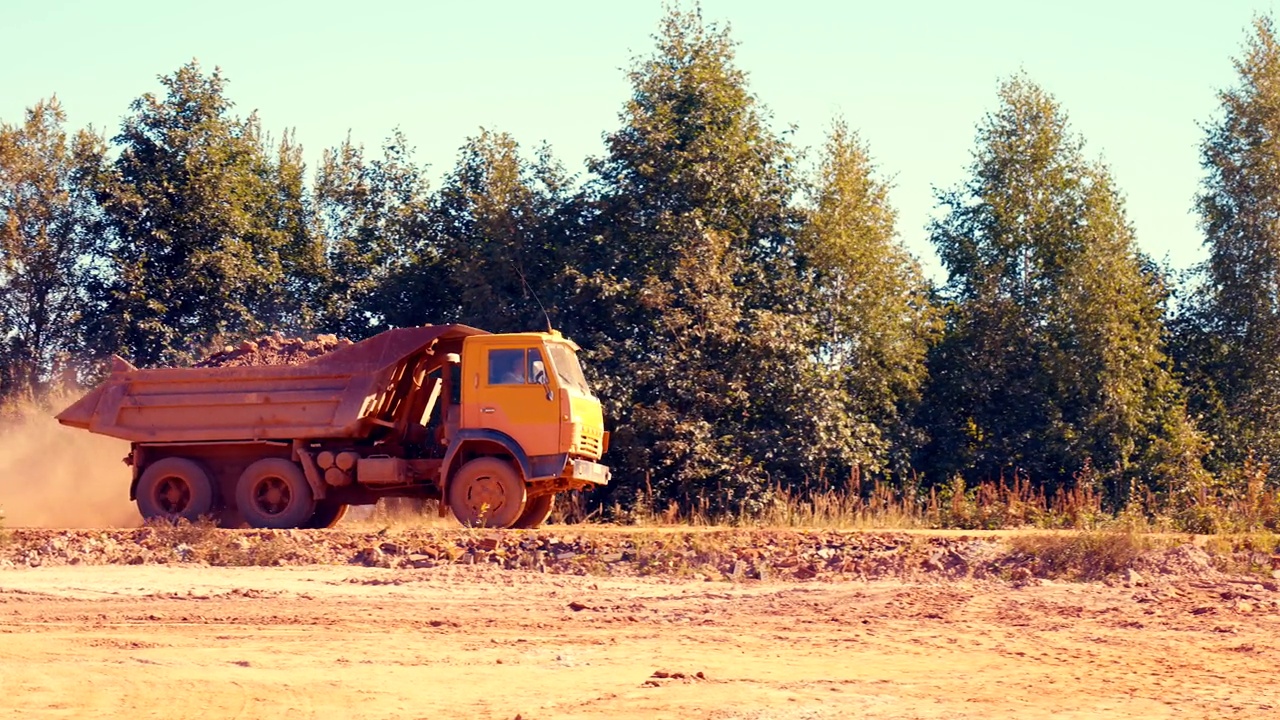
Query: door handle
{"type": "Point", "coordinates": [488, 410]}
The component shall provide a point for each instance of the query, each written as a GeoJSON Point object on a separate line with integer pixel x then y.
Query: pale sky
{"type": "Point", "coordinates": [1138, 79]}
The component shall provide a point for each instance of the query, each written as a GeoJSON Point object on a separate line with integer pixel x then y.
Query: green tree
{"type": "Point", "coordinates": [491, 252]}
{"type": "Point", "coordinates": [207, 227]}
{"type": "Point", "coordinates": [681, 280]}
{"type": "Point", "coordinates": [870, 300]}
{"type": "Point", "coordinates": [50, 234]}
{"type": "Point", "coordinates": [1230, 333]}
{"type": "Point", "coordinates": [1053, 358]}
{"type": "Point", "coordinates": [371, 213]}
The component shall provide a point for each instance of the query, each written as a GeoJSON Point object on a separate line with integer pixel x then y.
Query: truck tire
{"type": "Point", "coordinates": [273, 493]}
{"type": "Point", "coordinates": [536, 512]}
{"type": "Point", "coordinates": [327, 514]}
{"type": "Point", "coordinates": [174, 488]}
{"type": "Point", "coordinates": [487, 492]}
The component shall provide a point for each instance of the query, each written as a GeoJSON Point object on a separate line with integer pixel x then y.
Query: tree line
{"type": "Point", "coordinates": [749, 323]}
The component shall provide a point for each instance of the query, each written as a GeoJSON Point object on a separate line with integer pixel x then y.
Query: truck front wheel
{"type": "Point", "coordinates": [273, 493]}
{"type": "Point", "coordinates": [174, 488]}
{"type": "Point", "coordinates": [536, 512]}
{"type": "Point", "coordinates": [487, 492]}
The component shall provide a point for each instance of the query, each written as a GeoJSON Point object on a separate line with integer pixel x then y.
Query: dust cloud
{"type": "Point", "coordinates": [56, 476]}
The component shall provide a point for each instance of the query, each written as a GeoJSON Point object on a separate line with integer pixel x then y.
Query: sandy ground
{"type": "Point", "coordinates": [482, 642]}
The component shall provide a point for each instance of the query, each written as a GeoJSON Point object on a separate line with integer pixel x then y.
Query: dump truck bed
{"type": "Point", "coordinates": [341, 394]}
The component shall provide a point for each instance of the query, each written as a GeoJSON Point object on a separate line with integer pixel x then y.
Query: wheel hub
{"type": "Point", "coordinates": [272, 495]}
{"type": "Point", "coordinates": [172, 495]}
{"type": "Point", "coordinates": [487, 492]}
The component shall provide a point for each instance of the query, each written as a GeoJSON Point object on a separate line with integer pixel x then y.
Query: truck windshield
{"type": "Point", "coordinates": [567, 368]}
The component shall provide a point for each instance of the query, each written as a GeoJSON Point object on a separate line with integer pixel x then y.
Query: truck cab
{"type": "Point", "coordinates": [524, 396]}
{"type": "Point", "coordinates": [530, 387]}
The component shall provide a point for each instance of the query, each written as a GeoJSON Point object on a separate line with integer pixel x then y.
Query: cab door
{"type": "Point", "coordinates": [510, 387]}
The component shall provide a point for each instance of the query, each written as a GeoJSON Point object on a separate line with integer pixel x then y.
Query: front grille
{"type": "Point", "coordinates": [588, 445]}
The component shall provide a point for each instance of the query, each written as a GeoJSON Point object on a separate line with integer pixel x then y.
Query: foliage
{"type": "Point", "coordinates": [1229, 331]}
{"type": "Point", "coordinates": [1053, 355]}
{"type": "Point", "coordinates": [493, 250]}
{"type": "Point", "coordinates": [870, 302]}
{"type": "Point", "coordinates": [368, 213]}
{"type": "Point", "coordinates": [680, 285]}
{"type": "Point", "coordinates": [50, 231]}
{"type": "Point", "coordinates": [208, 227]}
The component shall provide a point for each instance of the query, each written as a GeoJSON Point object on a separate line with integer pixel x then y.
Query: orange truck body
{"type": "Point", "coordinates": [423, 412]}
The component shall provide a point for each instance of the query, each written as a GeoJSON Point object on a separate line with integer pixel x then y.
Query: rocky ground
{"type": "Point", "coordinates": [723, 555]}
{"type": "Point", "coordinates": [625, 623]}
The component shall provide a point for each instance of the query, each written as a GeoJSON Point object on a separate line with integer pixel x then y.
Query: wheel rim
{"type": "Point", "coordinates": [272, 495]}
{"type": "Point", "coordinates": [172, 495]}
{"type": "Point", "coordinates": [486, 495]}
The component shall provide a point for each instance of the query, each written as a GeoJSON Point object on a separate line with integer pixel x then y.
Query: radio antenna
{"type": "Point", "coordinates": [529, 289]}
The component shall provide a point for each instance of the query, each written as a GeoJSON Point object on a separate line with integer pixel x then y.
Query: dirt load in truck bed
{"type": "Point", "coordinates": [273, 349]}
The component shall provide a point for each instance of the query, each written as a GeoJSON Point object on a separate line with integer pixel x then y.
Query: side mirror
{"type": "Point", "coordinates": [540, 377]}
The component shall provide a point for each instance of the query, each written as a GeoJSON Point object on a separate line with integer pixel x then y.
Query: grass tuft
{"type": "Point", "coordinates": [1078, 556]}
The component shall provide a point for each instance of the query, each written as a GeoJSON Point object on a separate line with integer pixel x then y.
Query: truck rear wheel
{"type": "Point", "coordinates": [536, 512]}
{"type": "Point", "coordinates": [174, 488]}
{"type": "Point", "coordinates": [487, 492]}
{"type": "Point", "coordinates": [327, 514]}
{"type": "Point", "coordinates": [273, 493]}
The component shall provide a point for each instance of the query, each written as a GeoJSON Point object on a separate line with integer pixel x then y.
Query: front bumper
{"type": "Point", "coordinates": [588, 472]}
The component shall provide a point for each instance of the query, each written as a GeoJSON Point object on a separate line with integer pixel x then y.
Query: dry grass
{"type": "Point", "coordinates": [1079, 556]}
{"type": "Point", "coordinates": [205, 542]}
{"type": "Point", "coordinates": [1246, 505]}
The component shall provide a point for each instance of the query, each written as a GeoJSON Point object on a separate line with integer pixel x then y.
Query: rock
{"type": "Point", "coordinates": [577, 606]}
{"type": "Point", "coordinates": [1133, 578]}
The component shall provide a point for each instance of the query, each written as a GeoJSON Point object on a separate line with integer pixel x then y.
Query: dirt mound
{"type": "Point", "coordinates": [1185, 560]}
{"type": "Point", "coordinates": [273, 349]}
{"type": "Point", "coordinates": [712, 555]}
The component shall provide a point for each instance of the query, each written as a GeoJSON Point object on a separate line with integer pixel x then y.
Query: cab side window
{"type": "Point", "coordinates": [506, 367]}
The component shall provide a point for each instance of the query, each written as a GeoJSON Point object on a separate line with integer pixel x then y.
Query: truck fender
{"type": "Point", "coordinates": [465, 437]}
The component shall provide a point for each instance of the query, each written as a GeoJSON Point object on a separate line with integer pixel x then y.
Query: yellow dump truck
{"type": "Point", "coordinates": [493, 426]}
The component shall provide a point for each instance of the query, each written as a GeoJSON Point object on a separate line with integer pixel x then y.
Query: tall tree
{"type": "Point", "coordinates": [371, 213]}
{"type": "Point", "coordinates": [870, 299]}
{"type": "Point", "coordinates": [1053, 358]}
{"type": "Point", "coordinates": [205, 223]}
{"type": "Point", "coordinates": [681, 281]}
{"type": "Point", "coordinates": [50, 235]}
{"type": "Point", "coordinates": [491, 253]}
{"type": "Point", "coordinates": [1231, 331]}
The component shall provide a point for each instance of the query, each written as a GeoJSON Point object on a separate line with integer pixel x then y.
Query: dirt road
{"type": "Point", "coordinates": [482, 642]}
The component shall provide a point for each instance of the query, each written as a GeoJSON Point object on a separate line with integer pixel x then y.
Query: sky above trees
{"type": "Point", "coordinates": [913, 79]}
